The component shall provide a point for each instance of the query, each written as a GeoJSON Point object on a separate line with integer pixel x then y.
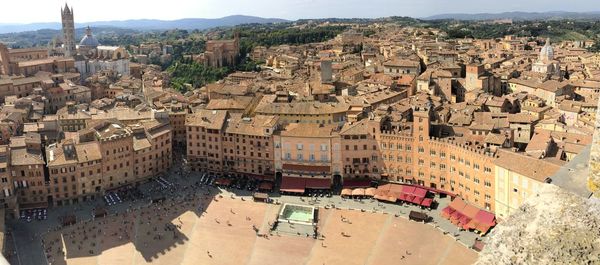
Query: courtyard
{"type": "Point", "coordinates": [220, 231]}
{"type": "Point", "coordinates": [199, 224]}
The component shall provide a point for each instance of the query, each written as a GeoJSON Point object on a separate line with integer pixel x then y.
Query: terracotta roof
{"type": "Point", "coordinates": [23, 157]}
{"type": "Point", "coordinates": [401, 63]}
{"type": "Point", "coordinates": [210, 119]}
{"type": "Point", "coordinates": [521, 118]}
{"type": "Point", "coordinates": [362, 127]}
{"type": "Point", "coordinates": [309, 130]}
{"type": "Point", "coordinates": [235, 103]}
{"type": "Point", "coordinates": [256, 125]}
{"type": "Point", "coordinates": [301, 108]}
{"type": "Point", "coordinates": [533, 168]}
{"type": "Point", "coordinates": [89, 151]}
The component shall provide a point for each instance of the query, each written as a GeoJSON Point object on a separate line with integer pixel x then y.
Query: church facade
{"type": "Point", "coordinates": [93, 58]}
{"type": "Point", "coordinates": [545, 63]}
{"type": "Point", "coordinates": [90, 56]}
{"type": "Point", "coordinates": [221, 53]}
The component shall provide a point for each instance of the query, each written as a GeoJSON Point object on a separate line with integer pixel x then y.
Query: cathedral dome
{"type": "Point", "coordinates": [89, 40]}
{"type": "Point", "coordinates": [547, 52]}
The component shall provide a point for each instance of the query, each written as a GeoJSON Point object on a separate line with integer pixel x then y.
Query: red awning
{"type": "Point", "coordinates": [391, 199]}
{"type": "Point", "coordinates": [396, 188]}
{"type": "Point", "coordinates": [420, 192]}
{"type": "Point", "coordinates": [427, 202]}
{"type": "Point", "coordinates": [358, 192]}
{"type": "Point", "coordinates": [384, 187]}
{"type": "Point", "coordinates": [447, 212]}
{"type": "Point", "coordinates": [486, 218]}
{"type": "Point", "coordinates": [455, 215]}
{"type": "Point", "coordinates": [356, 183]}
{"type": "Point", "coordinates": [370, 192]}
{"type": "Point", "coordinates": [464, 220]}
{"type": "Point", "coordinates": [408, 190]}
{"type": "Point", "coordinates": [315, 183]}
{"type": "Point", "coordinates": [457, 204]}
{"type": "Point", "coordinates": [346, 192]}
{"type": "Point", "coordinates": [292, 184]}
{"type": "Point", "coordinates": [470, 211]}
{"type": "Point", "coordinates": [417, 200]}
{"type": "Point", "coordinates": [403, 197]}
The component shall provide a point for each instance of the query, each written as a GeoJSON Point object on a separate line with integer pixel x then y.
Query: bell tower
{"type": "Point", "coordinates": [68, 29]}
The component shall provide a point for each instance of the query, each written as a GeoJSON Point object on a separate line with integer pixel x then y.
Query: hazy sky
{"type": "Point", "coordinates": [28, 11]}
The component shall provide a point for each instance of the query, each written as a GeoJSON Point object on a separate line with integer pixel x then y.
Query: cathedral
{"type": "Point", "coordinates": [545, 63]}
{"type": "Point", "coordinates": [90, 57]}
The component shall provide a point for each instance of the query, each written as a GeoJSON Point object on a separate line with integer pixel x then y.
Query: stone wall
{"type": "Point", "coordinates": [594, 175]}
{"type": "Point", "coordinates": [552, 227]}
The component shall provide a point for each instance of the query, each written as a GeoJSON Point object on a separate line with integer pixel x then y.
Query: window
{"type": "Point", "coordinates": [442, 166]}
{"type": "Point", "coordinates": [324, 147]}
{"type": "Point", "coordinates": [432, 152]}
{"type": "Point", "coordinates": [299, 157]}
{"type": "Point", "coordinates": [311, 157]}
{"type": "Point", "coordinates": [487, 170]}
{"type": "Point", "coordinates": [487, 183]}
{"type": "Point", "coordinates": [421, 149]}
{"type": "Point", "coordinates": [299, 146]}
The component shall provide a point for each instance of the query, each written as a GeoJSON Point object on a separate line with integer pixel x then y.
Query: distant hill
{"type": "Point", "coordinates": [556, 15]}
{"type": "Point", "coordinates": [44, 36]}
{"type": "Point", "coordinates": [149, 24]}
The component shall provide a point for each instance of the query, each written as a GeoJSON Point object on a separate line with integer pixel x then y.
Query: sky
{"type": "Point", "coordinates": [30, 11]}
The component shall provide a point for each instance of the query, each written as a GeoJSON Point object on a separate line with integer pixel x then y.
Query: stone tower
{"type": "Point", "coordinates": [4, 59]}
{"type": "Point", "coordinates": [68, 29]}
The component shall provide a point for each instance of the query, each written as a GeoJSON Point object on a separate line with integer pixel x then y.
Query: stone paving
{"type": "Point", "coordinates": [379, 228]}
